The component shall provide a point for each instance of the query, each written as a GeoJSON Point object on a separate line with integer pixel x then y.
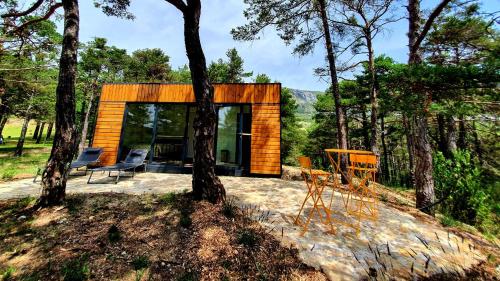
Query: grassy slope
{"type": "Point", "coordinates": [34, 155]}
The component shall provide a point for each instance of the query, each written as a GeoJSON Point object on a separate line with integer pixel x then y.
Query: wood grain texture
{"type": "Point", "coordinates": [266, 139]}
{"type": "Point", "coordinates": [266, 124]}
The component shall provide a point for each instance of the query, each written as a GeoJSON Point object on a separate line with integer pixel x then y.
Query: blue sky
{"type": "Point", "coordinates": [159, 25]}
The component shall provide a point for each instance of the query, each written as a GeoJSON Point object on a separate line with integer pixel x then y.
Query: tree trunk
{"type": "Point", "coordinates": [451, 135]}
{"type": "Point", "coordinates": [366, 128]}
{"type": "Point", "coordinates": [462, 143]}
{"type": "Point", "coordinates": [85, 127]}
{"type": "Point", "coordinates": [40, 133]}
{"type": "Point", "coordinates": [339, 111]}
{"type": "Point", "coordinates": [22, 137]}
{"type": "Point", "coordinates": [410, 145]}
{"type": "Point", "coordinates": [424, 181]}
{"type": "Point", "coordinates": [477, 143]}
{"type": "Point", "coordinates": [385, 163]}
{"type": "Point", "coordinates": [55, 175]}
{"type": "Point", "coordinates": [442, 142]}
{"type": "Point", "coordinates": [37, 128]}
{"type": "Point", "coordinates": [49, 131]}
{"type": "Point", "coordinates": [2, 124]}
{"type": "Point", "coordinates": [206, 184]}
{"type": "Point", "coordinates": [373, 95]}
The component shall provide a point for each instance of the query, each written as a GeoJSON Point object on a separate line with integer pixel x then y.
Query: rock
{"type": "Point", "coordinates": [23, 217]}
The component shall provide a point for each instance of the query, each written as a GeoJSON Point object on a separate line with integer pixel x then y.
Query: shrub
{"type": "Point", "coordinates": [76, 269]}
{"type": "Point", "coordinates": [114, 234]}
{"type": "Point", "coordinates": [7, 274]}
{"type": "Point", "coordinates": [229, 208]}
{"type": "Point", "coordinates": [168, 198]}
{"type": "Point", "coordinates": [458, 182]}
{"type": "Point", "coordinates": [140, 262]}
{"type": "Point", "coordinates": [248, 238]}
{"type": "Point", "coordinates": [185, 221]}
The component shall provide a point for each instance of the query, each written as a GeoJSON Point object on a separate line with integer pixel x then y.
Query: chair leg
{"type": "Point", "coordinates": [91, 173]}
{"type": "Point", "coordinates": [117, 177]}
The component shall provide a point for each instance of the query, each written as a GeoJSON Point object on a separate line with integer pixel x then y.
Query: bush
{"type": "Point", "coordinates": [458, 181]}
{"type": "Point", "coordinates": [185, 221]}
{"type": "Point", "coordinates": [76, 269]}
{"type": "Point", "coordinates": [248, 238]}
{"type": "Point", "coordinates": [114, 234]}
{"type": "Point", "coordinates": [229, 208]}
{"type": "Point", "coordinates": [168, 198]}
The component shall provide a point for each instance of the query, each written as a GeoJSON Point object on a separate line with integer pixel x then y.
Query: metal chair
{"type": "Point", "coordinates": [362, 195]}
{"type": "Point", "coordinates": [315, 181]}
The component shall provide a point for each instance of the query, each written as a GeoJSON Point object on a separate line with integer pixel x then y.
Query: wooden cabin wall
{"type": "Point", "coordinates": [265, 99]}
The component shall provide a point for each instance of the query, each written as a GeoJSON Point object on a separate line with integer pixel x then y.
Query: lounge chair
{"type": "Point", "coordinates": [135, 158]}
{"type": "Point", "coordinates": [89, 156]}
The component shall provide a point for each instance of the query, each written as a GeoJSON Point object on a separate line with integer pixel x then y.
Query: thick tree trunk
{"type": "Point", "coordinates": [63, 148]}
{"type": "Point", "coordinates": [22, 137]}
{"type": "Point", "coordinates": [339, 111]}
{"type": "Point", "coordinates": [37, 128]}
{"type": "Point", "coordinates": [2, 124]}
{"type": "Point", "coordinates": [85, 125]}
{"type": "Point", "coordinates": [49, 131]}
{"type": "Point", "coordinates": [206, 184]}
{"type": "Point", "coordinates": [40, 133]}
{"type": "Point", "coordinates": [424, 181]}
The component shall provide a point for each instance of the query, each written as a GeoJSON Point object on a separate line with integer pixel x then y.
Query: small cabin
{"type": "Point", "coordinates": [159, 117]}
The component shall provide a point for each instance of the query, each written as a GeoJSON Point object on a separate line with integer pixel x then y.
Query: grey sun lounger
{"type": "Point", "coordinates": [135, 158]}
{"type": "Point", "coordinates": [89, 156]}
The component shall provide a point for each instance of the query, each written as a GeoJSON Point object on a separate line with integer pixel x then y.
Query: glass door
{"type": "Point", "coordinates": [233, 136]}
{"type": "Point", "coordinates": [170, 134]}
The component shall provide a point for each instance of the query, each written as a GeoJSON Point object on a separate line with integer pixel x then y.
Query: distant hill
{"type": "Point", "coordinates": [305, 99]}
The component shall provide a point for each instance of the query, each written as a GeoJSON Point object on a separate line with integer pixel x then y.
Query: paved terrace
{"type": "Point", "coordinates": [397, 244]}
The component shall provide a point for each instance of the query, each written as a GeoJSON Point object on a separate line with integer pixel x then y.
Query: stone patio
{"type": "Point", "coordinates": [397, 244]}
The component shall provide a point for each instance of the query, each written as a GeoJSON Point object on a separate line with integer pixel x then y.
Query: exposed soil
{"type": "Point", "coordinates": [115, 236]}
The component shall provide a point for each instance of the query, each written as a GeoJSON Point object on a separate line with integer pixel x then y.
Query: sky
{"type": "Point", "coordinates": [158, 24]}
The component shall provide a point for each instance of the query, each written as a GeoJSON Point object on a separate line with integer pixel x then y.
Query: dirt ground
{"type": "Point", "coordinates": [111, 236]}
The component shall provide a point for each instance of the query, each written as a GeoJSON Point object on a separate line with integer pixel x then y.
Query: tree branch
{"type": "Point", "coordinates": [427, 26]}
{"type": "Point", "coordinates": [49, 13]}
{"type": "Point", "coordinates": [179, 4]}
{"type": "Point", "coordinates": [21, 14]}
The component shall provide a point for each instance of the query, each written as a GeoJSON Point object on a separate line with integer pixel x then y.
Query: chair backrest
{"type": "Point", "coordinates": [305, 163]}
{"type": "Point", "coordinates": [363, 159]}
{"type": "Point", "coordinates": [90, 154]}
{"type": "Point", "coordinates": [136, 156]}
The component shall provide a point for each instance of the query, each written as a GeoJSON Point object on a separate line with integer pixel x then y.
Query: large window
{"type": "Point", "coordinates": [138, 128]}
{"type": "Point", "coordinates": [166, 130]}
{"type": "Point", "coordinates": [170, 140]}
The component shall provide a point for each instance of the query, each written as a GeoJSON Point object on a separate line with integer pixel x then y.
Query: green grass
{"type": "Point", "coordinates": [34, 155]}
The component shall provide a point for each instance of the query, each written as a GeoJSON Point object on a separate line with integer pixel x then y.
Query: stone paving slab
{"type": "Point", "coordinates": [397, 244]}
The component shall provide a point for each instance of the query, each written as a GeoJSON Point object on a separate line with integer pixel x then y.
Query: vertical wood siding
{"type": "Point", "coordinates": [265, 99]}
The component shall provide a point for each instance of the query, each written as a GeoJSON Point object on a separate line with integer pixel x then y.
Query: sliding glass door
{"type": "Point", "coordinates": [233, 136]}
{"type": "Point", "coordinates": [166, 130]}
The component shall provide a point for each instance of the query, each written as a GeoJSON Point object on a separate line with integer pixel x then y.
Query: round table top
{"type": "Point", "coordinates": [353, 151]}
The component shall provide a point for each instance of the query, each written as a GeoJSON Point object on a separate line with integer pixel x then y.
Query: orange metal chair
{"type": "Point", "coordinates": [363, 197]}
{"type": "Point", "coordinates": [315, 181]}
